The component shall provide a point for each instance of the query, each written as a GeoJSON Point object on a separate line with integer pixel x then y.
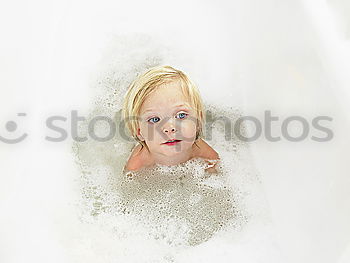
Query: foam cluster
{"type": "Point", "coordinates": [180, 203]}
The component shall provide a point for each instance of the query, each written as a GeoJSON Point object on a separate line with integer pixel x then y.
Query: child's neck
{"type": "Point", "coordinates": [172, 160]}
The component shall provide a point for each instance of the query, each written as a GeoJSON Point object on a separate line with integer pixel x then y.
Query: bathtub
{"type": "Point", "coordinates": [288, 58]}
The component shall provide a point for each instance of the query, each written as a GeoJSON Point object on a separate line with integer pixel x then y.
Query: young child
{"type": "Point", "coordinates": [163, 111]}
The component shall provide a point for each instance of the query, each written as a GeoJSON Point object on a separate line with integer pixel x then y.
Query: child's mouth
{"type": "Point", "coordinates": [172, 142]}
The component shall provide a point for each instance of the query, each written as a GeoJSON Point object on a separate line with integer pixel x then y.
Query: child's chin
{"type": "Point", "coordinates": [172, 150]}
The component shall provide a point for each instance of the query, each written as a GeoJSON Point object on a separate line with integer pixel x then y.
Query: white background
{"type": "Point", "coordinates": [290, 57]}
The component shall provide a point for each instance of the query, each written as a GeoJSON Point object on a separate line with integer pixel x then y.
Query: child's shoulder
{"type": "Point", "coordinates": [206, 152]}
{"type": "Point", "coordinates": [136, 160]}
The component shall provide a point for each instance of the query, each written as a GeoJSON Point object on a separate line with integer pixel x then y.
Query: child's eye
{"type": "Point", "coordinates": [154, 118]}
{"type": "Point", "coordinates": [182, 115]}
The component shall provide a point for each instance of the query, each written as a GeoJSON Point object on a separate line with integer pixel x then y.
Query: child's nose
{"type": "Point", "coordinates": [169, 128]}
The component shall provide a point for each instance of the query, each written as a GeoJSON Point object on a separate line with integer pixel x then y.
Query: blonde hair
{"type": "Point", "coordinates": [147, 82]}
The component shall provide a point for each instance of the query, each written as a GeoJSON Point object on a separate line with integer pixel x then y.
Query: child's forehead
{"type": "Point", "coordinates": [165, 103]}
{"type": "Point", "coordinates": [178, 104]}
{"type": "Point", "coordinates": [165, 106]}
{"type": "Point", "coordinates": [170, 93]}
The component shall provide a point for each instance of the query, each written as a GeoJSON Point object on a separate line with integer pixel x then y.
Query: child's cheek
{"type": "Point", "coordinates": [188, 129]}
{"type": "Point", "coordinates": [153, 133]}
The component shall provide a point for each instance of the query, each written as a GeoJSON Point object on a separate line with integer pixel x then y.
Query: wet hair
{"type": "Point", "coordinates": [147, 82]}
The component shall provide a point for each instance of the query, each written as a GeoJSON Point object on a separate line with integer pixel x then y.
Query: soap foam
{"type": "Point", "coordinates": [166, 213]}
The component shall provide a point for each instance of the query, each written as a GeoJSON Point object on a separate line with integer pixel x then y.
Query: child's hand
{"type": "Point", "coordinates": [211, 166]}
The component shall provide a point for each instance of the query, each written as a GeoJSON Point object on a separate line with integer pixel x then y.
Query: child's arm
{"type": "Point", "coordinates": [212, 166]}
{"type": "Point", "coordinates": [134, 162]}
{"type": "Point", "coordinates": [210, 156]}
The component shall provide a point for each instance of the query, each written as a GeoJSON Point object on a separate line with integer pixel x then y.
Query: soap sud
{"type": "Point", "coordinates": [177, 213]}
{"type": "Point", "coordinates": [165, 210]}
{"type": "Point", "coordinates": [171, 211]}
{"type": "Point", "coordinates": [158, 194]}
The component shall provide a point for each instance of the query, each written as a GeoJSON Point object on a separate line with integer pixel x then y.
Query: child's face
{"type": "Point", "coordinates": [167, 115]}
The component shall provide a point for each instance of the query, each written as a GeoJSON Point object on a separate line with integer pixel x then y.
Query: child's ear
{"type": "Point", "coordinates": [139, 135]}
